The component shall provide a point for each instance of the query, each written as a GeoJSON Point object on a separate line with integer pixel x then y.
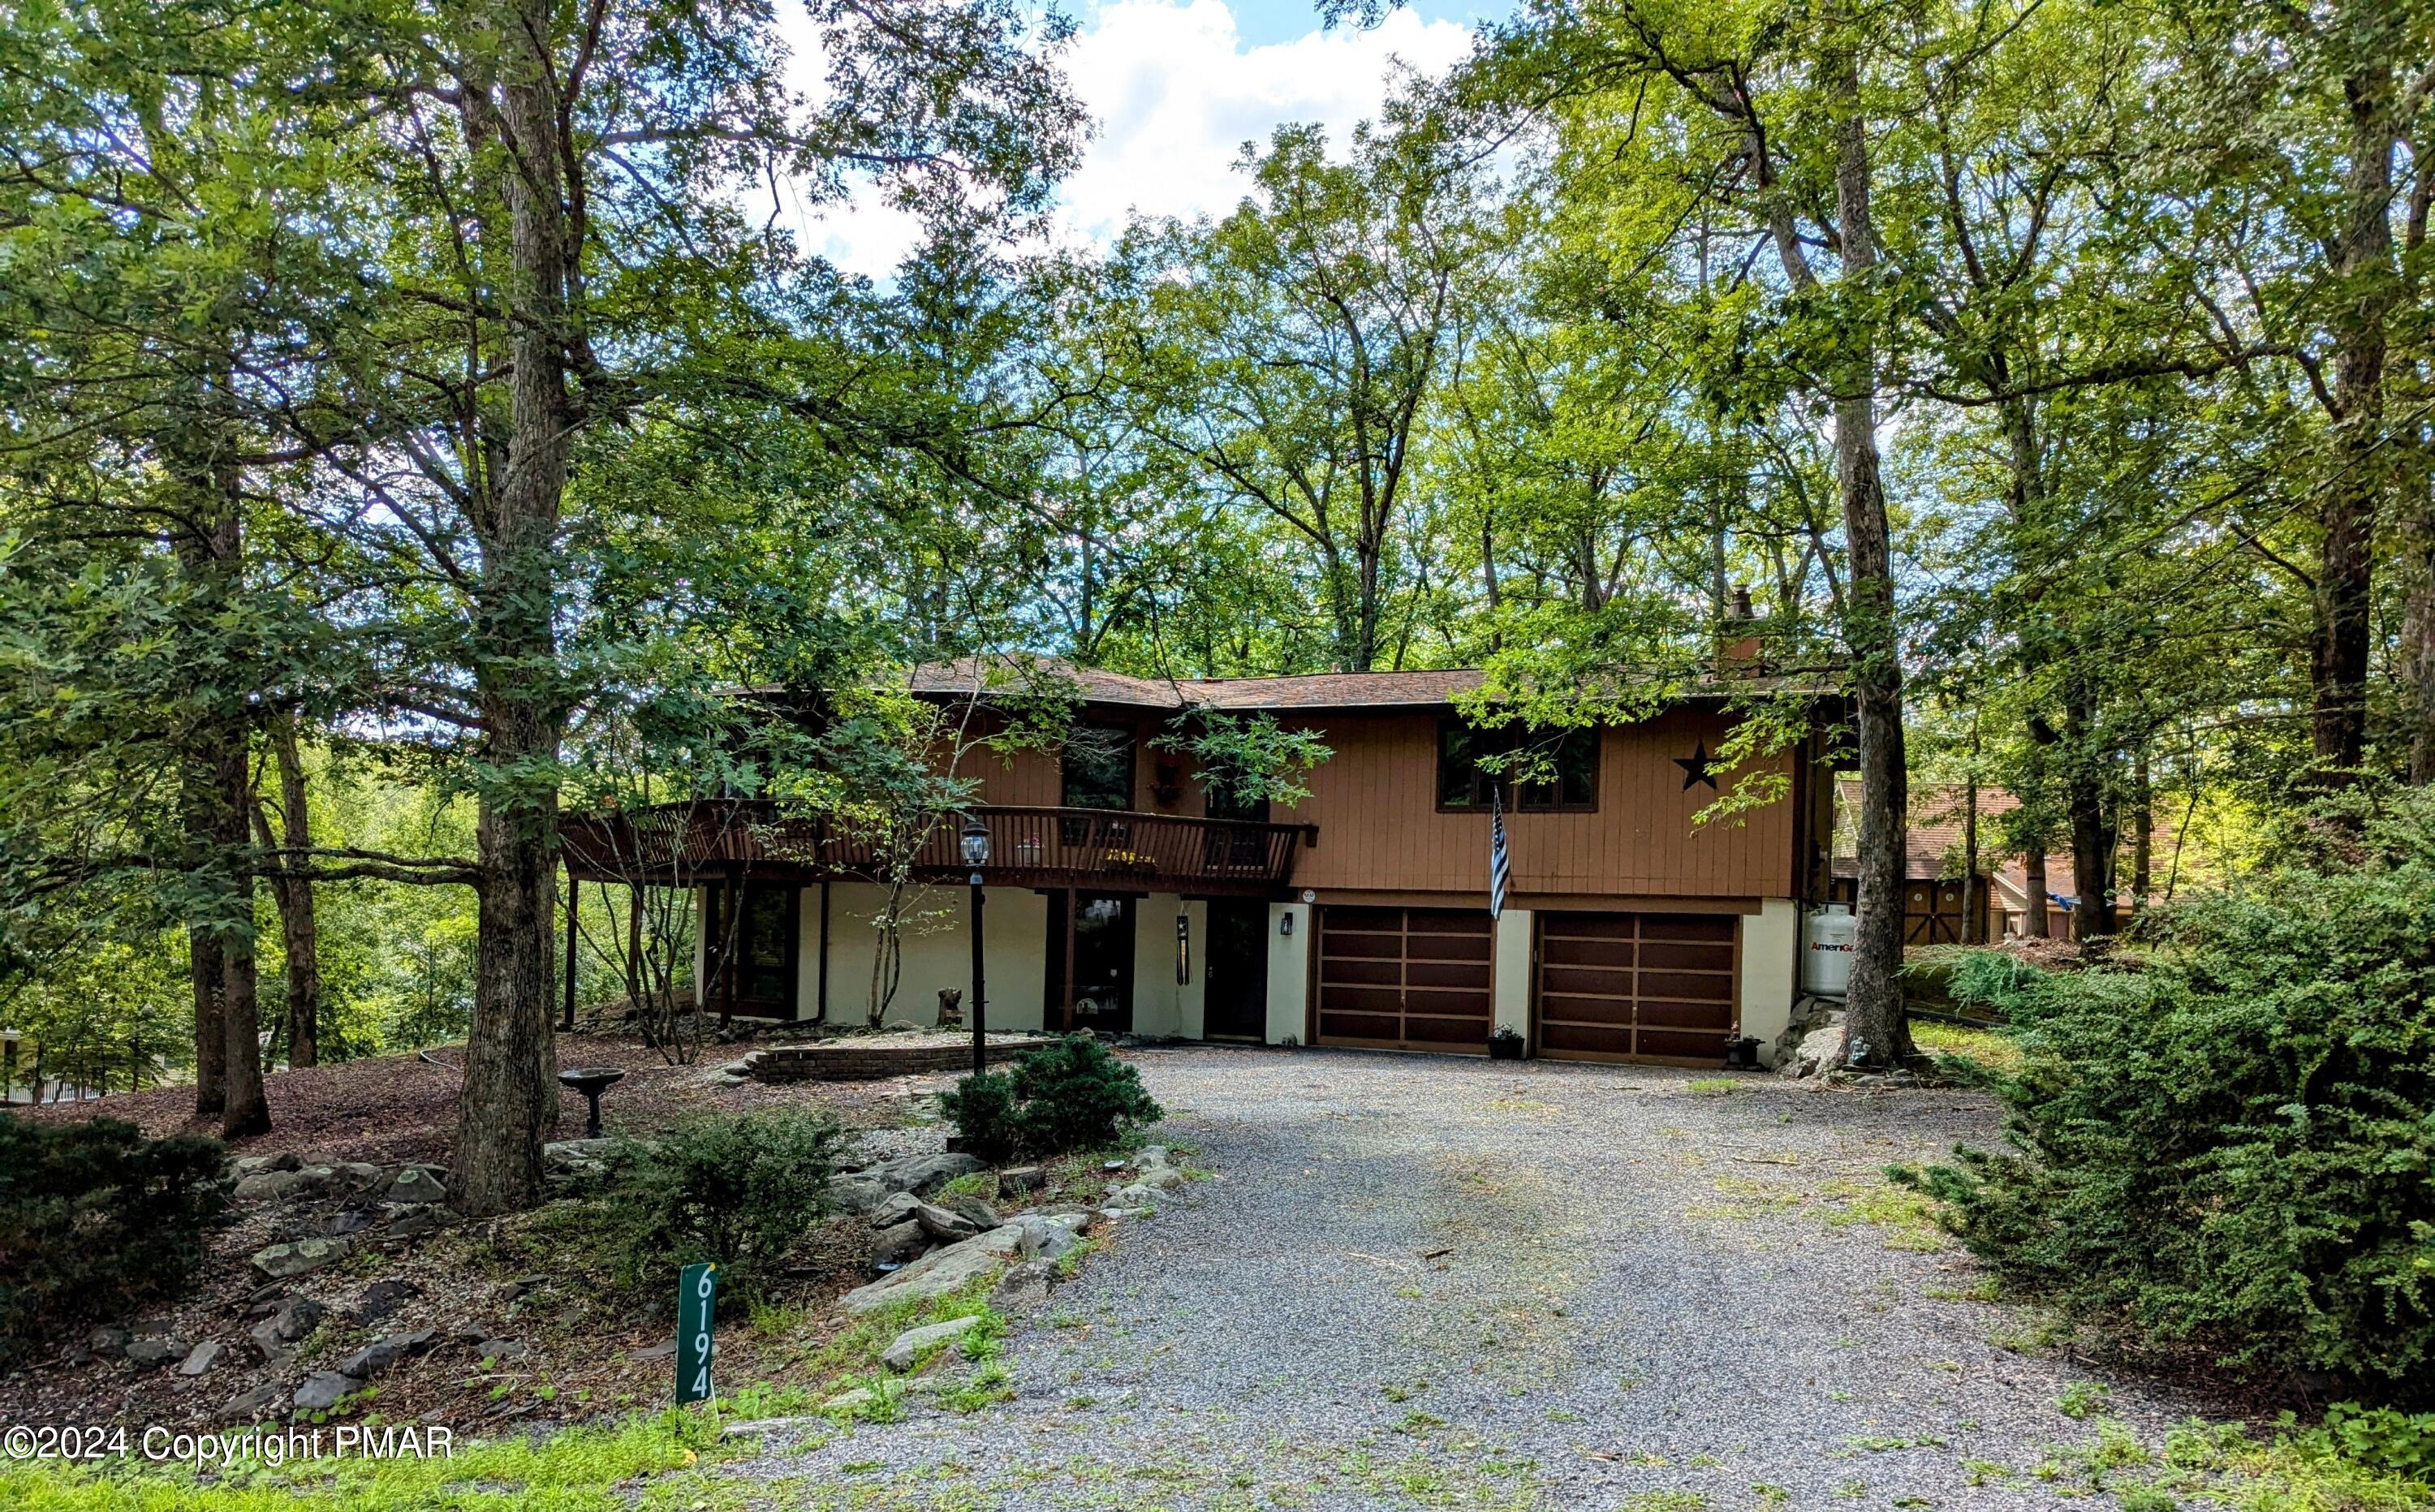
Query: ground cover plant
{"type": "Point", "coordinates": [1069, 1096]}
{"type": "Point", "coordinates": [2229, 1140]}
{"type": "Point", "coordinates": [736, 1190]}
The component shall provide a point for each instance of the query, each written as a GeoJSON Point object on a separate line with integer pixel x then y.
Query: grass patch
{"type": "Point", "coordinates": [1713, 1087]}
{"type": "Point", "coordinates": [660, 1456]}
{"type": "Point", "coordinates": [1907, 1216]}
{"type": "Point", "coordinates": [1995, 1049]}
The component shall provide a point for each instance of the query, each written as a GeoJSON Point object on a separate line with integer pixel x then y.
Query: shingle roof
{"type": "Point", "coordinates": [1437, 688]}
{"type": "Point", "coordinates": [1932, 839]}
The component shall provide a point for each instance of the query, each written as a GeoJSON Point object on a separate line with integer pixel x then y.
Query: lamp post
{"type": "Point", "coordinates": [975, 844]}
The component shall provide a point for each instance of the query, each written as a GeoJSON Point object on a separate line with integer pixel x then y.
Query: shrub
{"type": "Point", "coordinates": [736, 1189]}
{"type": "Point", "coordinates": [96, 1219]}
{"type": "Point", "coordinates": [1069, 1096]}
{"type": "Point", "coordinates": [2233, 1144]}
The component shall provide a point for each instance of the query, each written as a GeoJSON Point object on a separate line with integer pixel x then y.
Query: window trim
{"type": "Point", "coordinates": [1513, 791]}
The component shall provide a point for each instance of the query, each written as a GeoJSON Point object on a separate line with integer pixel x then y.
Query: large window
{"type": "Point", "coordinates": [1099, 767]}
{"type": "Point", "coordinates": [1566, 762]}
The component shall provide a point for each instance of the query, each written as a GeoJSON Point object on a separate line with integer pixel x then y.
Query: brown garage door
{"type": "Point", "coordinates": [1404, 978]}
{"type": "Point", "coordinates": [1635, 987]}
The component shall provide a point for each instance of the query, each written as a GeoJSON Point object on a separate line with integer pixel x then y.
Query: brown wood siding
{"type": "Point", "coordinates": [1404, 978]}
{"type": "Point", "coordinates": [1635, 987]}
{"type": "Point", "coordinates": [1379, 827]}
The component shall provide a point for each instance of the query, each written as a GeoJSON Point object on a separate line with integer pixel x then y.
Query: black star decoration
{"type": "Point", "coordinates": [1696, 767]}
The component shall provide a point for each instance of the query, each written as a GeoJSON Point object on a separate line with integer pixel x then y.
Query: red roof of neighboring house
{"type": "Point", "coordinates": [1932, 839]}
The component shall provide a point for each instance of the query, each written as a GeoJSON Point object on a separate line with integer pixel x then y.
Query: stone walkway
{"type": "Point", "coordinates": [1438, 1282]}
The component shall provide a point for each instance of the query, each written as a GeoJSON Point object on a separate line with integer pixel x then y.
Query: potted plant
{"type": "Point", "coordinates": [1505, 1045]}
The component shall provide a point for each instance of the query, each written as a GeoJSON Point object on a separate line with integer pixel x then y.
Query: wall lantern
{"type": "Point", "coordinates": [1182, 949]}
{"type": "Point", "coordinates": [974, 842]}
{"type": "Point", "coordinates": [1285, 922]}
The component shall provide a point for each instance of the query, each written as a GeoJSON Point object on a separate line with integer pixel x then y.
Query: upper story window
{"type": "Point", "coordinates": [1099, 767]}
{"type": "Point", "coordinates": [1570, 787]}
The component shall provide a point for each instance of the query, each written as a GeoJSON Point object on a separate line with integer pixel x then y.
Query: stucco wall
{"type": "Point", "coordinates": [937, 953]}
{"type": "Point", "coordinates": [1510, 982]}
{"type": "Point", "coordinates": [1770, 958]}
{"type": "Point", "coordinates": [1288, 973]}
{"type": "Point", "coordinates": [1163, 1005]}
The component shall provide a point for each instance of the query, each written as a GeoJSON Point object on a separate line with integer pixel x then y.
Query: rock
{"type": "Point", "coordinates": [1043, 1237]}
{"type": "Point", "coordinates": [323, 1390]}
{"type": "Point", "coordinates": [972, 1211]}
{"type": "Point", "coordinates": [380, 1299]}
{"type": "Point", "coordinates": [1149, 1156]}
{"type": "Point", "coordinates": [1022, 1178]}
{"type": "Point", "coordinates": [1024, 1287]}
{"type": "Point", "coordinates": [416, 1183]}
{"type": "Point", "coordinates": [920, 1174]}
{"type": "Point", "coordinates": [288, 1161]}
{"type": "Point", "coordinates": [941, 1271]}
{"type": "Point", "coordinates": [267, 1186]}
{"type": "Point", "coordinates": [246, 1403]}
{"type": "Point", "coordinates": [904, 1242]}
{"type": "Point", "coordinates": [296, 1317]}
{"type": "Point", "coordinates": [1160, 1179]}
{"type": "Point", "coordinates": [522, 1286]}
{"type": "Point", "coordinates": [422, 1218]}
{"type": "Point", "coordinates": [355, 1221]}
{"type": "Point", "coordinates": [944, 1224]}
{"type": "Point", "coordinates": [153, 1352]}
{"type": "Point", "coordinates": [382, 1354]}
{"type": "Point", "coordinates": [912, 1345]}
{"type": "Point", "coordinates": [855, 1401]}
{"type": "Point", "coordinates": [248, 1164]}
{"type": "Point", "coordinates": [358, 1175]}
{"type": "Point", "coordinates": [204, 1358]}
{"type": "Point", "coordinates": [1116, 1214]}
{"type": "Point", "coordinates": [1135, 1198]}
{"type": "Point", "coordinates": [657, 1352]}
{"type": "Point", "coordinates": [762, 1427]}
{"type": "Point", "coordinates": [503, 1352]}
{"type": "Point", "coordinates": [1820, 1049]}
{"type": "Point", "coordinates": [303, 1258]}
{"type": "Point", "coordinates": [568, 1154]}
{"type": "Point", "coordinates": [106, 1342]}
{"type": "Point", "coordinates": [897, 1208]}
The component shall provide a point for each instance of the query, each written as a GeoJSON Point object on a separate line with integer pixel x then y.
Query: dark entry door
{"type": "Point", "coordinates": [752, 959]}
{"type": "Point", "coordinates": [1236, 1003]}
{"type": "Point", "coordinates": [1099, 932]}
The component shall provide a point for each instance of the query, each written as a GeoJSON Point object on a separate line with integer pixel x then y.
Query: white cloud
{"type": "Point", "coordinates": [1174, 93]}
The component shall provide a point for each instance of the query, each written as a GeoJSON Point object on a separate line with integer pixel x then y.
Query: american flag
{"type": "Point", "coordinates": [1500, 861]}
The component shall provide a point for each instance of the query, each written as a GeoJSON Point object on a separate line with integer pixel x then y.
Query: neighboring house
{"type": "Point", "coordinates": [1933, 847]}
{"type": "Point", "coordinates": [1120, 897]}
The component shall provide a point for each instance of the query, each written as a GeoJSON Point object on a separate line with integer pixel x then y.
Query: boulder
{"type": "Point", "coordinates": [285, 1160]}
{"type": "Point", "coordinates": [422, 1218]}
{"type": "Point", "coordinates": [416, 1183]}
{"type": "Point", "coordinates": [357, 1175]}
{"type": "Point", "coordinates": [1024, 1287]}
{"type": "Point", "coordinates": [945, 1224]}
{"type": "Point", "coordinates": [502, 1351]}
{"type": "Point", "coordinates": [204, 1358]}
{"type": "Point", "coordinates": [382, 1354]}
{"type": "Point", "coordinates": [296, 1317]}
{"type": "Point", "coordinates": [941, 1271]}
{"type": "Point", "coordinates": [894, 1247]}
{"type": "Point", "coordinates": [155, 1351]}
{"type": "Point", "coordinates": [106, 1342]}
{"type": "Point", "coordinates": [855, 1401]}
{"type": "Point", "coordinates": [913, 1344]}
{"type": "Point", "coordinates": [1819, 1049]}
{"type": "Point", "coordinates": [303, 1258]}
{"type": "Point", "coordinates": [570, 1154]}
{"type": "Point", "coordinates": [268, 1186]}
{"type": "Point", "coordinates": [1048, 1238]}
{"type": "Point", "coordinates": [1022, 1178]}
{"type": "Point", "coordinates": [380, 1299]}
{"type": "Point", "coordinates": [247, 1403]}
{"type": "Point", "coordinates": [324, 1389]}
{"type": "Point", "coordinates": [972, 1211]}
{"type": "Point", "coordinates": [897, 1208]}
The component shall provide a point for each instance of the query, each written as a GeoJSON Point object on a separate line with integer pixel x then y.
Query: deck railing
{"type": "Point", "coordinates": [683, 844]}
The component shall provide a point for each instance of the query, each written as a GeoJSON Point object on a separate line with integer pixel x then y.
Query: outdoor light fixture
{"type": "Point", "coordinates": [1284, 923]}
{"type": "Point", "coordinates": [1182, 949]}
{"type": "Point", "coordinates": [975, 842]}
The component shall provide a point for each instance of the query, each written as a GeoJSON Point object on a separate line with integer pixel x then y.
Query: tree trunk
{"type": "Point", "coordinates": [299, 929]}
{"type": "Point", "coordinates": [509, 1102]}
{"type": "Point", "coordinates": [210, 980]}
{"type": "Point", "coordinates": [2093, 833]}
{"type": "Point", "coordinates": [2418, 651]}
{"type": "Point", "coordinates": [2036, 925]}
{"type": "Point", "coordinates": [2369, 284]}
{"type": "Point", "coordinates": [243, 1109]}
{"type": "Point", "coordinates": [1971, 885]}
{"type": "Point", "coordinates": [2143, 834]}
{"type": "Point", "coordinates": [1878, 1036]}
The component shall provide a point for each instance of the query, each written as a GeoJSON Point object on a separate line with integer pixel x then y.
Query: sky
{"type": "Point", "coordinates": [1175, 87]}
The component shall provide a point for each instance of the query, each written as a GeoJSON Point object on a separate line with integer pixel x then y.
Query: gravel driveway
{"type": "Point", "coordinates": [1421, 1281]}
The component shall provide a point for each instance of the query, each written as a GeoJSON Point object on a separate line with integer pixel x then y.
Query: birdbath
{"type": "Point", "coordinates": [591, 1081]}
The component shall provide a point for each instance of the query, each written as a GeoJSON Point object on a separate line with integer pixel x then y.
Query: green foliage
{"type": "Point", "coordinates": [732, 1189]}
{"type": "Point", "coordinates": [96, 1219]}
{"type": "Point", "coordinates": [2232, 1141]}
{"type": "Point", "coordinates": [1070, 1095]}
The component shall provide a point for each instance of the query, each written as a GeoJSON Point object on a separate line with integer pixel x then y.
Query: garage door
{"type": "Point", "coordinates": [1404, 978]}
{"type": "Point", "coordinates": [1635, 987]}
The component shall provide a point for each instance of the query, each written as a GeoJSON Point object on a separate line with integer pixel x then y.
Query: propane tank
{"type": "Point", "coordinates": [1827, 937]}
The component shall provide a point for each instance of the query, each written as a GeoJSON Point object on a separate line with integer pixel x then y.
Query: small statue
{"type": "Point", "coordinates": [951, 1007]}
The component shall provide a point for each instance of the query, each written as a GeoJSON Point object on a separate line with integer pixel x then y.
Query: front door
{"type": "Point", "coordinates": [1237, 1001]}
{"type": "Point", "coordinates": [752, 955]}
{"type": "Point", "coordinates": [1092, 947]}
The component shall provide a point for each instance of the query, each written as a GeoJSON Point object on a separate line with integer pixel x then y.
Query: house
{"type": "Point", "coordinates": [1121, 893]}
{"type": "Point", "coordinates": [1933, 843]}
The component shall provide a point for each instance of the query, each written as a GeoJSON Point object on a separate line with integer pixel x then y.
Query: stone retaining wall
{"type": "Point", "coordinates": [872, 1060]}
